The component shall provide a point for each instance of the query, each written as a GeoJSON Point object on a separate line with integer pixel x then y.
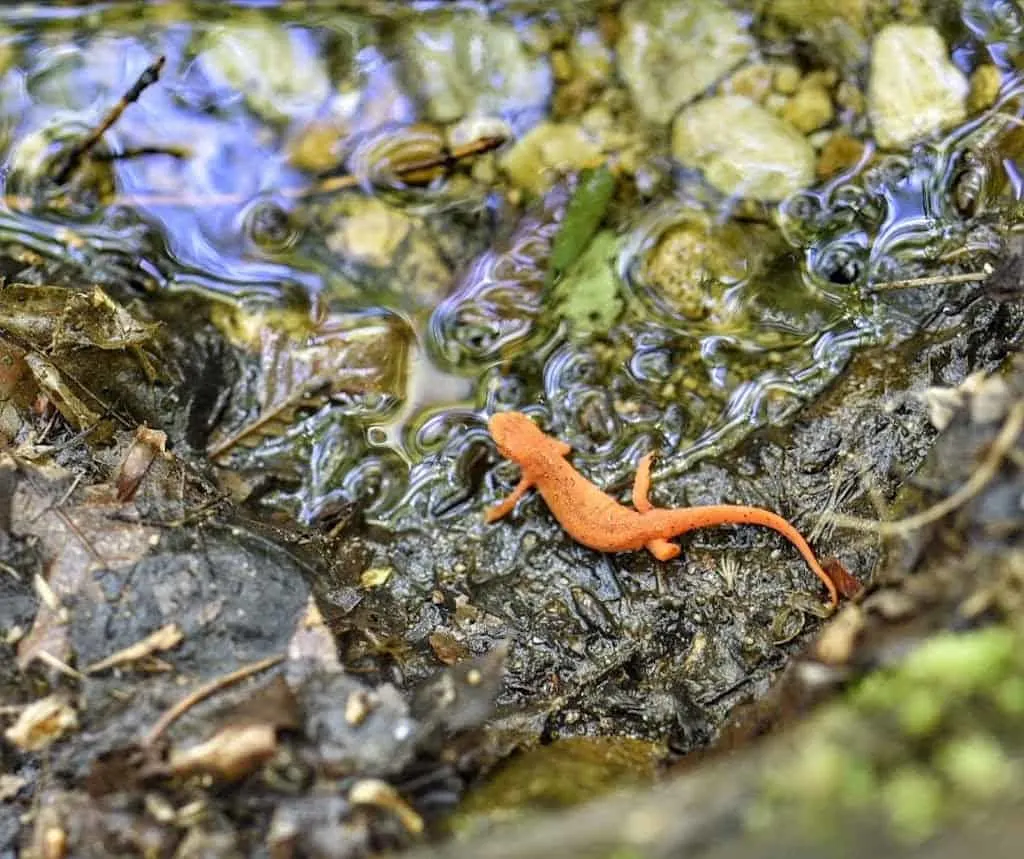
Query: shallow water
{"type": "Point", "coordinates": [716, 318]}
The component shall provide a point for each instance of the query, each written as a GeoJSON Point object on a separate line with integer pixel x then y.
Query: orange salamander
{"type": "Point", "coordinates": [598, 521]}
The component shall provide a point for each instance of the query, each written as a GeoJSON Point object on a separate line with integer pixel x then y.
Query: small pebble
{"type": "Point", "coordinates": [787, 79]}
{"type": "Point", "coordinates": [809, 109]}
{"type": "Point", "coordinates": [985, 84]}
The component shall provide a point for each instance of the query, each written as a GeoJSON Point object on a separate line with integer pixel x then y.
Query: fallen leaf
{"type": "Point", "coordinates": [42, 722]}
{"type": "Point", "coordinates": [232, 753]}
{"type": "Point", "coordinates": [148, 444]}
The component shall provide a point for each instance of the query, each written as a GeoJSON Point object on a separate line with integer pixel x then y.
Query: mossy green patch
{"type": "Point", "coordinates": [929, 739]}
{"type": "Point", "coordinates": [588, 297]}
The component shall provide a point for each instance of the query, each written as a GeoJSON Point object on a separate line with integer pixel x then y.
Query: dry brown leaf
{"type": "Point", "coordinates": [232, 753]}
{"type": "Point", "coordinates": [81, 537]}
{"type": "Point", "coordinates": [148, 444]}
{"type": "Point", "coordinates": [312, 641]}
{"type": "Point", "coordinates": [42, 722]}
{"type": "Point", "coordinates": [835, 644]}
{"type": "Point", "coordinates": [372, 791]}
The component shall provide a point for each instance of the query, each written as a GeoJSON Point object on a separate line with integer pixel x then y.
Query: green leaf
{"type": "Point", "coordinates": [583, 216]}
{"type": "Point", "coordinates": [588, 296]}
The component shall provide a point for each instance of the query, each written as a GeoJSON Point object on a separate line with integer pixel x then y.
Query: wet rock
{"type": "Point", "coordinates": [552, 147]}
{"type": "Point", "coordinates": [840, 153]}
{"type": "Point", "coordinates": [371, 235]}
{"type": "Point", "coordinates": [693, 265]}
{"type": "Point", "coordinates": [669, 53]}
{"type": "Point", "coordinates": [463, 65]}
{"type": "Point", "coordinates": [317, 146]}
{"type": "Point", "coordinates": [753, 81]}
{"type": "Point", "coordinates": [914, 89]}
{"type": "Point", "coordinates": [787, 79]}
{"type": "Point", "coordinates": [742, 148]}
{"type": "Point", "coordinates": [800, 13]}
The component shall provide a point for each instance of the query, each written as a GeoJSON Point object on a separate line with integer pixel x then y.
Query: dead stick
{"type": "Point", "coordinates": [204, 692]}
{"type": "Point", "coordinates": [172, 151]}
{"type": "Point", "coordinates": [77, 151]}
{"type": "Point", "coordinates": [936, 280]}
{"type": "Point", "coordinates": [1002, 445]}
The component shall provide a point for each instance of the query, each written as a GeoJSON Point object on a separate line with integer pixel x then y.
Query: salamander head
{"type": "Point", "coordinates": [516, 436]}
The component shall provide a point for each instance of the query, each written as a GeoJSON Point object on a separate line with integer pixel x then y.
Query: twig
{"type": "Point", "coordinates": [60, 665]}
{"type": "Point", "coordinates": [163, 639]}
{"type": "Point", "coordinates": [935, 280]}
{"type": "Point", "coordinates": [77, 151]}
{"type": "Point", "coordinates": [63, 499]}
{"type": "Point", "coordinates": [179, 152]}
{"type": "Point", "coordinates": [329, 185]}
{"type": "Point", "coordinates": [445, 159]}
{"type": "Point", "coordinates": [988, 469]}
{"type": "Point", "coordinates": [204, 692]}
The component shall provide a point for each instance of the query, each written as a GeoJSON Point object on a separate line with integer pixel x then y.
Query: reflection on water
{"type": "Point", "coordinates": [213, 183]}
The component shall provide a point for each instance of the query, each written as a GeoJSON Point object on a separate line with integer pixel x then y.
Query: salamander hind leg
{"type": "Point", "coordinates": [642, 484]}
{"type": "Point", "coordinates": [504, 507]}
{"type": "Point", "coordinates": [663, 550]}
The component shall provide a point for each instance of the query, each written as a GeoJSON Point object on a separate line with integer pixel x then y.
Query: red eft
{"type": "Point", "coordinates": [598, 521]}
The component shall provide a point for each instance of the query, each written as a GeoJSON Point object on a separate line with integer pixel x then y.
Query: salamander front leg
{"type": "Point", "coordinates": [663, 550]}
{"type": "Point", "coordinates": [503, 508]}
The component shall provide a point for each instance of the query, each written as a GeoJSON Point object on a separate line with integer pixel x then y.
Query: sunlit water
{"type": "Point", "coordinates": [463, 281]}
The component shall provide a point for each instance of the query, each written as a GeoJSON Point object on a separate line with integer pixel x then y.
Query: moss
{"type": "Point", "coordinates": [913, 802]}
{"type": "Point", "coordinates": [1009, 696]}
{"type": "Point", "coordinates": [920, 712]}
{"type": "Point", "coordinates": [928, 739]}
{"type": "Point", "coordinates": [976, 765]}
{"type": "Point", "coordinates": [958, 664]}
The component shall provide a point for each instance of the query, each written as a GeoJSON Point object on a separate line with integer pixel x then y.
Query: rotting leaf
{"type": "Point", "coordinates": [247, 736]}
{"type": "Point", "coordinates": [583, 215]}
{"type": "Point", "coordinates": [303, 367]}
{"type": "Point", "coordinates": [72, 408]}
{"type": "Point", "coordinates": [232, 753]}
{"type": "Point", "coordinates": [147, 445]}
{"type": "Point", "coordinates": [52, 327]}
{"type": "Point", "coordinates": [42, 722]}
{"type": "Point", "coordinates": [57, 319]}
{"type": "Point", "coordinates": [274, 704]}
{"type": "Point", "coordinates": [121, 769]}
{"type": "Point", "coordinates": [80, 537]}
{"type": "Point", "coordinates": [447, 648]}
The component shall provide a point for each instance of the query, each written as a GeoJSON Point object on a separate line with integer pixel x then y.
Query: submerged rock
{"type": "Point", "coordinates": [463, 65]}
{"type": "Point", "coordinates": [809, 109]}
{"type": "Point", "coordinates": [277, 70]}
{"type": "Point", "coordinates": [669, 53]}
{"type": "Point", "coordinates": [742, 148]}
{"type": "Point", "coordinates": [914, 89]}
{"type": "Point", "coordinates": [800, 13]}
{"type": "Point", "coordinates": [535, 160]}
